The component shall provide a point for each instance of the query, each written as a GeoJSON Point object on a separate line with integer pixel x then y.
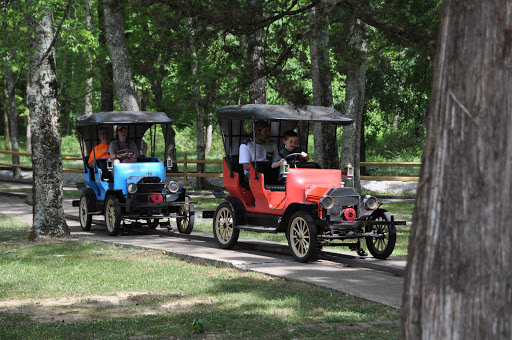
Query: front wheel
{"type": "Point", "coordinates": [302, 237]}
{"type": "Point", "coordinates": [85, 218]}
{"type": "Point", "coordinates": [112, 215]}
{"type": "Point", "coordinates": [186, 218]}
{"type": "Point", "coordinates": [381, 247]}
{"type": "Point", "coordinates": [224, 231]}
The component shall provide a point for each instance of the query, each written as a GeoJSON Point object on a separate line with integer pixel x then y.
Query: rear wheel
{"type": "Point", "coordinates": [381, 247]}
{"type": "Point", "coordinates": [224, 231]}
{"type": "Point", "coordinates": [302, 237]}
{"type": "Point", "coordinates": [185, 221]}
{"type": "Point", "coordinates": [112, 215]}
{"type": "Point", "coordinates": [85, 218]}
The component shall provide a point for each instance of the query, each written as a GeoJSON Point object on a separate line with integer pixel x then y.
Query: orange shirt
{"type": "Point", "coordinates": [100, 151]}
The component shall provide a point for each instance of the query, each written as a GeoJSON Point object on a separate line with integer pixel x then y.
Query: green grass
{"type": "Point", "coordinates": [77, 289]}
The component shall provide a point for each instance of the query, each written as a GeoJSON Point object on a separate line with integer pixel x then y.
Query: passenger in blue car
{"type": "Point", "coordinates": [122, 150]}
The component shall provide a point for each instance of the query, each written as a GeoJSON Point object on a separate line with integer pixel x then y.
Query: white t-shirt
{"type": "Point", "coordinates": [264, 152]}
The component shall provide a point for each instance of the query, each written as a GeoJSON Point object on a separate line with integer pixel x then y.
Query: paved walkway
{"type": "Point", "coordinates": [199, 247]}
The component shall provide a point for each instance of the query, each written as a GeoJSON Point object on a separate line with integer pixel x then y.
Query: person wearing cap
{"type": "Point", "coordinates": [261, 149]}
{"type": "Point", "coordinates": [121, 143]}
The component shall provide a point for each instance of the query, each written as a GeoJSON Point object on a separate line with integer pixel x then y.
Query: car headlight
{"type": "Point", "coordinates": [173, 187]}
{"type": "Point", "coordinates": [370, 202]}
{"type": "Point", "coordinates": [327, 202]}
{"type": "Point", "coordinates": [132, 188]}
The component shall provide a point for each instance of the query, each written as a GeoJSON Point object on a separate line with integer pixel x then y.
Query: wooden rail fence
{"type": "Point", "coordinates": [186, 162]}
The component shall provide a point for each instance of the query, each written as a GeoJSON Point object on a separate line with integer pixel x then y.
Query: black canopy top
{"type": "Point", "coordinates": [282, 112]}
{"type": "Point", "coordinates": [123, 118]}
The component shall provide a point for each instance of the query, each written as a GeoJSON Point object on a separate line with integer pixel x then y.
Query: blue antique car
{"type": "Point", "coordinates": [135, 193]}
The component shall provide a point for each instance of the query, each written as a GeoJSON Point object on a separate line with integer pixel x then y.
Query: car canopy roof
{"type": "Point", "coordinates": [282, 112]}
{"type": "Point", "coordinates": [235, 121]}
{"type": "Point", "coordinates": [137, 121]}
{"type": "Point", "coordinates": [123, 118]}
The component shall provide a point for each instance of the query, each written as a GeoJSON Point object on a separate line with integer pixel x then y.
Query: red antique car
{"type": "Point", "coordinates": [314, 207]}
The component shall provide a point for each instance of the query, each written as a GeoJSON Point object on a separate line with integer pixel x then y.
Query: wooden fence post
{"type": "Point", "coordinates": [185, 172]}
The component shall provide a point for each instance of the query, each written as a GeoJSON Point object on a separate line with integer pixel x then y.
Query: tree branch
{"type": "Point", "coordinates": [56, 34]}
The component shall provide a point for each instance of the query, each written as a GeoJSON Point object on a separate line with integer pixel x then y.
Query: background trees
{"type": "Point", "coordinates": [241, 51]}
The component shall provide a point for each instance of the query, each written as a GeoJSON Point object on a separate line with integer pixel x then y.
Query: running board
{"type": "Point", "coordinates": [257, 228]}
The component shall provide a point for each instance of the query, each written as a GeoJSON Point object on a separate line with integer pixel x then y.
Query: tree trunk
{"type": "Point", "coordinates": [7, 144]}
{"type": "Point", "coordinates": [256, 55]}
{"type": "Point", "coordinates": [107, 77]}
{"type": "Point", "coordinates": [209, 134]}
{"type": "Point", "coordinates": [13, 117]}
{"type": "Point", "coordinates": [28, 143]}
{"type": "Point", "coordinates": [116, 42]}
{"type": "Point", "coordinates": [42, 99]}
{"type": "Point", "coordinates": [458, 283]}
{"type": "Point", "coordinates": [169, 134]}
{"type": "Point", "coordinates": [354, 101]}
{"type": "Point", "coordinates": [201, 182]}
{"type": "Point", "coordinates": [88, 82]}
{"type": "Point", "coordinates": [326, 146]}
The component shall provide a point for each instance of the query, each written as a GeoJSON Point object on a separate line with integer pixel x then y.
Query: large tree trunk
{"type": "Point", "coordinates": [13, 117]}
{"type": "Point", "coordinates": [42, 99]}
{"type": "Point", "coordinates": [28, 143]}
{"type": "Point", "coordinates": [169, 134]}
{"type": "Point", "coordinates": [458, 283]}
{"type": "Point", "coordinates": [326, 146]}
{"type": "Point", "coordinates": [256, 55]}
{"type": "Point", "coordinates": [107, 77]}
{"type": "Point", "coordinates": [116, 42]}
{"type": "Point", "coordinates": [354, 101]}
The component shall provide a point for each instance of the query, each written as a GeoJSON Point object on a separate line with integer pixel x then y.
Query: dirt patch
{"type": "Point", "coordinates": [90, 308]}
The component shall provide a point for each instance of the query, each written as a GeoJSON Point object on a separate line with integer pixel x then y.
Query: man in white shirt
{"type": "Point", "coordinates": [266, 150]}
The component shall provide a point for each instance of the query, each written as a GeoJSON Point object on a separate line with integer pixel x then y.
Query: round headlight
{"type": "Point", "coordinates": [132, 188]}
{"type": "Point", "coordinates": [327, 202]}
{"type": "Point", "coordinates": [370, 202]}
{"type": "Point", "coordinates": [173, 187]}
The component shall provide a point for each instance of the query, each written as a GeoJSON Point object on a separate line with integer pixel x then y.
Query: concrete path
{"type": "Point", "coordinates": [199, 247]}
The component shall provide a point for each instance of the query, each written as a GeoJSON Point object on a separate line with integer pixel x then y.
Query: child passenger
{"type": "Point", "coordinates": [290, 140]}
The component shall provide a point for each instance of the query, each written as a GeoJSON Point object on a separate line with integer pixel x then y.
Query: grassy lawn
{"type": "Point", "coordinates": [77, 289]}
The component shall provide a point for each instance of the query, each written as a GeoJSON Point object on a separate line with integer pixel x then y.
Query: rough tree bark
{"type": "Point", "coordinates": [458, 283]}
{"type": "Point", "coordinates": [28, 143]}
{"type": "Point", "coordinates": [116, 42]}
{"type": "Point", "coordinates": [326, 145]}
{"type": "Point", "coordinates": [354, 100]}
{"type": "Point", "coordinates": [42, 99]}
{"type": "Point", "coordinates": [256, 55]}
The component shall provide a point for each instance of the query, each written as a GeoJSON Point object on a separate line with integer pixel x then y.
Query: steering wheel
{"type": "Point", "coordinates": [293, 158]}
{"type": "Point", "coordinates": [123, 155]}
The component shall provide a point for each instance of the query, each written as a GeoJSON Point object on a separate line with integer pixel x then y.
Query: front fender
{"type": "Point", "coordinates": [311, 208]}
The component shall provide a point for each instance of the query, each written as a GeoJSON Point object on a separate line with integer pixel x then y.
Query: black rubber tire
{"type": "Point", "coordinates": [85, 218]}
{"type": "Point", "coordinates": [224, 230]}
{"type": "Point", "coordinates": [382, 247]}
{"type": "Point", "coordinates": [112, 215]}
{"type": "Point", "coordinates": [302, 237]}
{"type": "Point", "coordinates": [186, 224]}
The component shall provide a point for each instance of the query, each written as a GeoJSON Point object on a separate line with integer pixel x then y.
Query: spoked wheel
{"type": "Point", "coordinates": [112, 215]}
{"type": "Point", "coordinates": [185, 221]}
{"type": "Point", "coordinates": [85, 218]}
{"type": "Point", "coordinates": [381, 247]}
{"type": "Point", "coordinates": [224, 231]}
{"type": "Point", "coordinates": [302, 237]}
{"type": "Point", "coordinates": [153, 223]}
